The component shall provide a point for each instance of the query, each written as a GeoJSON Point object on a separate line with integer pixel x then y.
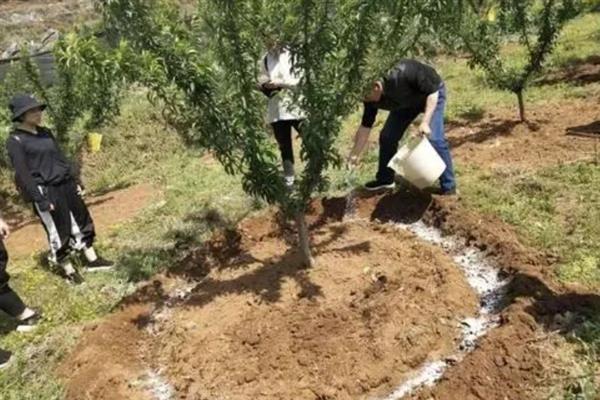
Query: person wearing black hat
{"type": "Point", "coordinates": [46, 178]}
{"type": "Point", "coordinates": [10, 302]}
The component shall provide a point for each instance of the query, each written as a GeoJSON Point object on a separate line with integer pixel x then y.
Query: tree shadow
{"type": "Point", "coordinates": [265, 280]}
{"type": "Point", "coordinates": [187, 258]}
{"type": "Point", "coordinates": [589, 130]}
{"type": "Point", "coordinates": [487, 131]}
{"type": "Point", "coordinates": [89, 202]}
{"type": "Point", "coordinates": [111, 188]}
{"type": "Point", "coordinates": [580, 71]}
{"type": "Point", "coordinates": [267, 276]}
{"type": "Point", "coordinates": [226, 251]}
{"type": "Point", "coordinates": [472, 114]}
{"type": "Point", "coordinates": [563, 312]}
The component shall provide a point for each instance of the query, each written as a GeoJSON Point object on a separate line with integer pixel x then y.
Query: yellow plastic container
{"type": "Point", "coordinates": [94, 142]}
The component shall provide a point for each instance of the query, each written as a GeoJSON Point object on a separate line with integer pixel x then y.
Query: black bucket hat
{"type": "Point", "coordinates": [22, 103]}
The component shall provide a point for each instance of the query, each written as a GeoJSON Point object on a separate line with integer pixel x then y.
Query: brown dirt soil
{"type": "Point", "coordinates": [113, 347]}
{"type": "Point", "coordinates": [508, 363]}
{"type": "Point", "coordinates": [256, 326]}
{"type": "Point", "coordinates": [500, 141]}
{"type": "Point", "coordinates": [268, 329]}
{"type": "Point", "coordinates": [107, 211]}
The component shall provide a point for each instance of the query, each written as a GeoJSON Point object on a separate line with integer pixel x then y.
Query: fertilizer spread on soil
{"type": "Point", "coordinates": [391, 305]}
{"type": "Point", "coordinates": [378, 305]}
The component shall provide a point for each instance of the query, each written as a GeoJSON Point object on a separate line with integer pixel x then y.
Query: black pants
{"type": "Point", "coordinates": [69, 226]}
{"type": "Point", "coordinates": [283, 134]}
{"type": "Point", "coordinates": [10, 302]}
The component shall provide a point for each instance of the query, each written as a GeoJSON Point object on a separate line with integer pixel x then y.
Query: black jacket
{"type": "Point", "coordinates": [38, 161]}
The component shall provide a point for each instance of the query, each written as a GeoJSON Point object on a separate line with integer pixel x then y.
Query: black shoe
{"type": "Point", "coordinates": [5, 358]}
{"type": "Point", "coordinates": [29, 324]}
{"type": "Point", "coordinates": [75, 278]}
{"type": "Point", "coordinates": [376, 185]}
{"type": "Point", "coordinates": [100, 264]}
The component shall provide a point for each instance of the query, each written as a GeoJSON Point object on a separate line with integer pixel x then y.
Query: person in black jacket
{"type": "Point", "coordinates": [49, 181]}
{"type": "Point", "coordinates": [10, 302]}
{"type": "Point", "coordinates": [410, 89]}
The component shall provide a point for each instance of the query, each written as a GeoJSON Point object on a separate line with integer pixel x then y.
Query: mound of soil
{"type": "Point", "coordinates": [378, 304]}
{"type": "Point", "coordinates": [107, 362]}
{"type": "Point", "coordinates": [239, 318]}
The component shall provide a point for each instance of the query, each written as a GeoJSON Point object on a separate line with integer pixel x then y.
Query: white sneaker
{"type": "Point", "coordinates": [29, 324]}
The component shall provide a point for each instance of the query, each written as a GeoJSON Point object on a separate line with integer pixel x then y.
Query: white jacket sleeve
{"type": "Point", "coordinates": [287, 78]}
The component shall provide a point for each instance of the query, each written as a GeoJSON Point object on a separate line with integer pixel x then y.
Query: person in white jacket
{"type": "Point", "coordinates": [276, 81]}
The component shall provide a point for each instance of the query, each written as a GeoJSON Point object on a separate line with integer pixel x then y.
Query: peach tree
{"type": "Point", "coordinates": [202, 71]}
{"type": "Point", "coordinates": [534, 25]}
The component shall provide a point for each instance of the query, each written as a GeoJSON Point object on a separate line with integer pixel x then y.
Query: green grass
{"type": "Point", "coordinates": [556, 209]}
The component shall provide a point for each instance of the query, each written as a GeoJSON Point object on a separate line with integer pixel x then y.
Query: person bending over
{"type": "Point", "coordinates": [410, 89]}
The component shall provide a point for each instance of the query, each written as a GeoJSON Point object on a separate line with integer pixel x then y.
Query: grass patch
{"type": "Point", "coordinates": [556, 209]}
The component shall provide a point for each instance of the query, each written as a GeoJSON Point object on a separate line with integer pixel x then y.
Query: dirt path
{"type": "Point", "coordinates": [107, 211]}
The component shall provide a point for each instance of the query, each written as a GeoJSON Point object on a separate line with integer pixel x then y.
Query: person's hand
{"type": "Point", "coordinates": [4, 229]}
{"type": "Point", "coordinates": [425, 129]}
{"type": "Point", "coordinates": [52, 208]}
{"type": "Point", "coordinates": [80, 191]}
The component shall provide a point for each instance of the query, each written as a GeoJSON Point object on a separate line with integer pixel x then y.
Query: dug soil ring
{"type": "Point", "coordinates": [378, 305]}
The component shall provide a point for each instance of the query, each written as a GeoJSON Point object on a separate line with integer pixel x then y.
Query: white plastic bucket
{"type": "Point", "coordinates": [418, 162]}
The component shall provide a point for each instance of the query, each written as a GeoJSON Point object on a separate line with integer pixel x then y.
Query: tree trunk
{"type": "Point", "coordinates": [521, 105]}
{"type": "Point", "coordinates": [304, 240]}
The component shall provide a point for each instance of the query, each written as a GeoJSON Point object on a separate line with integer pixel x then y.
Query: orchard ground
{"type": "Point", "coordinates": [529, 197]}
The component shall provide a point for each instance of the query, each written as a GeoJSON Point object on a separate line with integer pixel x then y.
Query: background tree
{"type": "Point", "coordinates": [206, 83]}
{"type": "Point", "coordinates": [86, 89]}
{"type": "Point", "coordinates": [534, 24]}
